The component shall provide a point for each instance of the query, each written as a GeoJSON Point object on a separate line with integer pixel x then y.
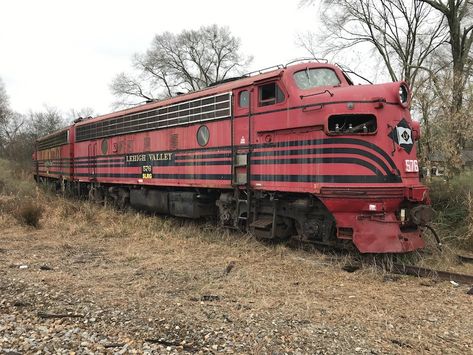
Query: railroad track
{"type": "Point", "coordinates": [465, 258]}
{"type": "Point", "coordinates": [431, 273]}
{"type": "Point", "coordinates": [399, 268]}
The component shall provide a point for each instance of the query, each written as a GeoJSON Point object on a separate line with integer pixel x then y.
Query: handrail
{"type": "Point", "coordinates": [264, 70]}
{"type": "Point", "coordinates": [300, 60]}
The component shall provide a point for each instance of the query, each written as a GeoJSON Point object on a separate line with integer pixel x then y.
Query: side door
{"type": "Point", "coordinates": [241, 135]}
{"type": "Point", "coordinates": [92, 166]}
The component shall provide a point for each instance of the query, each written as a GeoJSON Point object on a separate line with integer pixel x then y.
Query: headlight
{"type": "Point", "coordinates": [403, 94]}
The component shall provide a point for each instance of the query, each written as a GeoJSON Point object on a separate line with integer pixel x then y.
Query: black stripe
{"type": "Point", "coordinates": [211, 149]}
{"type": "Point", "coordinates": [163, 176]}
{"type": "Point", "coordinates": [361, 179]}
{"type": "Point", "coordinates": [105, 160]}
{"type": "Point", "coordinates": [203, 156]}
{"type": "Point", "coordinates": [325, 160]}
{"type": "Point", "coordinates": [177, 157]}
{"type": "Point", "coordinates": [330, 150]}
{"type": "Point", "coordinates": [95, 162]}
{"type": "Point", "coordinates": [53, 160]}
{"type": "Point", "coordinates": [269, 178]}
{"type": "Point", "coordinates": [319, 160]}
{"type": "Point", "coordinates": [156, 163]}
{"type": "Point", "coordinates": [85, 166]}
{"type": "Point", "coordinates": [55, 165]}
{"type": "Point", "coordinates": [99, 160]}
{"type": "Point", "coordinates": [264, 145]}
{"type": "Point", "coordinates": [330, 141]}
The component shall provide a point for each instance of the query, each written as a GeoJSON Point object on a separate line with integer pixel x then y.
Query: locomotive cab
{"type": "Point", "coordinates": [368, 167]}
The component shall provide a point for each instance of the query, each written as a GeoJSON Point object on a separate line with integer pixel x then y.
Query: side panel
{"type": "Point", "coordinates": [55, 162]}
{"type": "Point", "coordinates": [165, 157]}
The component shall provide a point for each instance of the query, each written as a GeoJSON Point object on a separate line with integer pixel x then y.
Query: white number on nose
{"type": "Point", "coordinates": [411, 165]}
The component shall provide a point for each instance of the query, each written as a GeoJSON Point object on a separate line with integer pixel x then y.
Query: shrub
{"type": "Point", "coordinates": [14, 180]}
{"type": "Point", "coordinates": [29, 213]}
{"type": "Point", "coordinates": [453, 202]}
{"type": "Point", "coordinates": [467, 241]}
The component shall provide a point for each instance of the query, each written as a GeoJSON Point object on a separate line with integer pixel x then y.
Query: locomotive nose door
{"type": "Point", "coordinates": [241, 136]}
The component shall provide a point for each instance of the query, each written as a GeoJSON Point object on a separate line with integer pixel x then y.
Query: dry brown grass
{"type": "Point", "coordinates": [160, 268]}
{"type": "Point", "coordinates": [29, 213]}
{"type": "Point", "coordinates": [453, 202]}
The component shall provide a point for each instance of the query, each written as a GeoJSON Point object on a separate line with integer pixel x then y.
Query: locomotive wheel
{"type": "Point", "coordinates": [284, 229]}
{"type": "Point", "coordinates": [307, 229]}
{"type": "Point", "coordinates": [123, 201]}
{"type": "Point", "coordinates": [96, 195]}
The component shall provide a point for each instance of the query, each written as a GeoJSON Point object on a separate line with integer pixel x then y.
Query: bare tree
{"type": "Point", "coordinates": [188, 61]}
{"type": "Point", "coordinates": [10, 123]}
{"type": "Point", "coordinates": [22, 131]}
{"type": "Point", "coordinates": [458, 14]}
{"type": "Point", "coordinates": [4, 105]}
{"type": "Point", "coordinates": [44, 122]}
{"type": "Point", "coordinates": [402, 33]}
{"type": "Point", "coordinates": [131, 90]}
{"type": "Point", "coordinates": [410, 37]}
{"type": "Point", "coordinates": [19, 132]}
{"type": "Point", "coordinates": [428, 107]}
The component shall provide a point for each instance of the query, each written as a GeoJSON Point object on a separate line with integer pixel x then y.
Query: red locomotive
{"type": "Point", "coordinates": [294, 151]}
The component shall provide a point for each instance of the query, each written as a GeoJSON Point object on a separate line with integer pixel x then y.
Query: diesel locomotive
{"type": "Point", "coordinates": [293, 151]}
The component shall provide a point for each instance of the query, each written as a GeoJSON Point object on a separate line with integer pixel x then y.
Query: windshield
{"type": "Point", "coordinates": [309, 78]}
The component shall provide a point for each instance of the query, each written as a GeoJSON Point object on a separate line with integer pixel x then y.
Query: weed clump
{"type": "Point", "coordinates": [453, 202]}
{"type": "Point", "coordinates": [29, 213]}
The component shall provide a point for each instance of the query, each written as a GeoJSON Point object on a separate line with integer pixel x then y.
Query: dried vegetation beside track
{"type": "Point", "coordinates": [92, 279]}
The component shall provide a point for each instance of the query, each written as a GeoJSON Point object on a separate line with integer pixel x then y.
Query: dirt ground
{"type": "Point", "coordinates": [93, 280]}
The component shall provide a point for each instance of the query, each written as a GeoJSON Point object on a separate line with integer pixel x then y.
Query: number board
{"type": "Point", "coordinates": [147, 172]}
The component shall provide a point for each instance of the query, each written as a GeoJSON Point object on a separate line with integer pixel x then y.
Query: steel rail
{"type": "Point", "coordinates": [402, 269]}
{"type": "Point", "coordinates": [465, 258]}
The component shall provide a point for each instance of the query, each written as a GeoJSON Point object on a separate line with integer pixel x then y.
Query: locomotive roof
{"type": "Point", "coordinates": [220, 88]}
{"type": "Point", "coordinates": [52, 134]}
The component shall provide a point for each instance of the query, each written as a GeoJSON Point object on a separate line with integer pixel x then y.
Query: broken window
{"type": "Point", "coordinates": [352, 124]}
{"type": "Point", "coordinates": [310, 78]}
{"type": "Point", "coordinates": [270, 94]}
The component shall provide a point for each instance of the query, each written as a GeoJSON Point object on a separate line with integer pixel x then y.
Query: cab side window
{"type": "Point", "coordinates": [270, 94]}
{"type": "Point", "coordinates": [244, 99]}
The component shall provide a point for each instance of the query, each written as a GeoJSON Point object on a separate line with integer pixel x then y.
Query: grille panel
{"type": "Point", "coordinates": [203, 109]}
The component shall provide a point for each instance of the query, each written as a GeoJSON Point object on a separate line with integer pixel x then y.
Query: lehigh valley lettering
{"type": "Point", "coordinates": [148, 157]}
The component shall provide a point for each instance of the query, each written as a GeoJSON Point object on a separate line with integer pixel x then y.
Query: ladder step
{"type": "Point", "coordinates": [262, 223]}
{"type": "Point", "coordinates": [232, 228]}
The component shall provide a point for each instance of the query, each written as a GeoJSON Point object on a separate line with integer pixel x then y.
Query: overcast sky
{"type": "Point", "coordinates": [66, 53]}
